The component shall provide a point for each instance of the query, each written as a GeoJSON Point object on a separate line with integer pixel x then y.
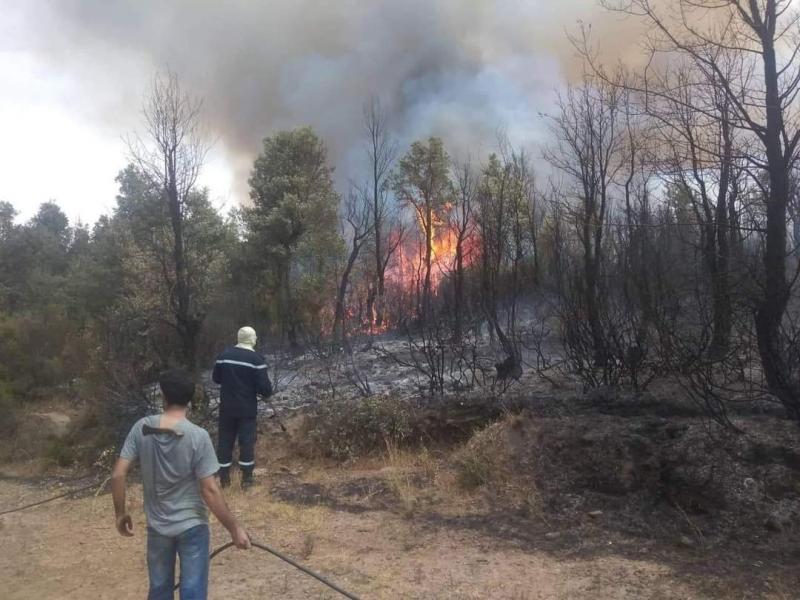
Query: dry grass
{"type": "Point", "coordinates": [401, 473]}
{"type": "Point", "coordinates": [488, 463]}
{"type": "Point", "coordinates": [257, 510]}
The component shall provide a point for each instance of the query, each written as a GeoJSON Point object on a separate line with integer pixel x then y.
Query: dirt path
{"type": "Point", "coordinates": [68, 549]}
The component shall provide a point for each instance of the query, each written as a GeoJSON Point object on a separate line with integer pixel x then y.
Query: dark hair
{"type": "Point", "coordinates": [177, 386]}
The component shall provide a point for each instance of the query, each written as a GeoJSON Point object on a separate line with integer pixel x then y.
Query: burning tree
{"type": "Point", "coordinates": [381, 152]}
{"type": "Point", "coordinates": [461, 225]}
{"type": "Point", "coordinates": [422, 182]}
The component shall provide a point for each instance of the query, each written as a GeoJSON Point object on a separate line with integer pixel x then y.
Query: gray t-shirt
{"type": "Point", "coordinates": [171, 469]}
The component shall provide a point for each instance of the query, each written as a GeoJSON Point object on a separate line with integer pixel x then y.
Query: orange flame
{"type": "Point", "coordinates": [410, 263]}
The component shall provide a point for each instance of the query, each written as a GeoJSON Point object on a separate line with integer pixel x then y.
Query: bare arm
{"type": "Point", "coordinates": [118, 487]}
{"type": "Point", "coordinates": [212, 495]}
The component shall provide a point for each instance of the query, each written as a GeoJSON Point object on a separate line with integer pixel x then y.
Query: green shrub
{"type": "Point", "coordinates": [39, 352]}
{"type": "Point", "coordinates": [350, 428]}
{"type": "Point", "coordinates": [61, 453]}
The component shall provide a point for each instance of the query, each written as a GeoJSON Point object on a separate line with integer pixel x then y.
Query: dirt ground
{"type": "Point", "coordinates": [373, 532]}
{"type": "Point", "coordinates": [68, 549]}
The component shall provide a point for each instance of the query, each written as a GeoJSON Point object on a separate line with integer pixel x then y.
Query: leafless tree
{"type": "Point", "coordinates": [637, 260]}
{"type": "Point", "coordinates": [357, 219]}
{"type": "Point", "coordinates": [699, 155]}
{"type": "Point", "coordinates": [171, 153]}
{"type": "Point", "coordinates": [748, 48]}
{"type": "Point", "coordinates": [441, 364]}
{"type": "Point", "coordinates": [537, 213]}
{"type": "Point", "coordinates": [590, 150]}
{"type": "Point", "coordinates": [381, 152]}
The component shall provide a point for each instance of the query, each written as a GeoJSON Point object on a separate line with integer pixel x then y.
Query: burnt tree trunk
{"type": "Point", "coordinates": [718, 252]}
{"type": "Point", "coordinates": [426, 287]}
{"type": "Point", "coordinates": [720, 278]}
{"type": "Point", "coordinates": [772, 306]}
{"type": "Point", "coordinates": [338, 318]}
{"type": "Point", "coordinates": [458, 291]}
{"type": "Point", "coordinates": [377, 296]}
{"type": "Point", "coordinates": [591, 241]}
{"type": "Point", "coordinates": [188, 325]}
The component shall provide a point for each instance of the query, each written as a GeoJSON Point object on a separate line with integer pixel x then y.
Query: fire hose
{"type": "Point", "coordinates": [288, 560]}
{"type": "Point", "coordinates": [50, 499]}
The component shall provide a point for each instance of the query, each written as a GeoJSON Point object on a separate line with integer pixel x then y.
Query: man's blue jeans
{"type": "Point", "coordinates": [192, 548]}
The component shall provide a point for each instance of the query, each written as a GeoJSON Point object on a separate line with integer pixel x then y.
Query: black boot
{"type": "Point", "coordinates": [224, 477]}
{"type": "Point", "coordinates": [248, 480]}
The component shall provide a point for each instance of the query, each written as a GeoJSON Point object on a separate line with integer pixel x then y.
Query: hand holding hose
{"type": "Point", "coordinates": [240, 538]}
{"type": "Point", "coordinates": [125, 525]}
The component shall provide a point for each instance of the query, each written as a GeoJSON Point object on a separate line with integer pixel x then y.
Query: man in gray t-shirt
{"type": "Point", "coordinates": [172, 466]}
{"type": "Point", "coordinates": [178, 465]}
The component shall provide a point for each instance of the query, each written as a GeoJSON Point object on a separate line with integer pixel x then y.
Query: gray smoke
{"type": "Point", "coordinates": [455, 68]}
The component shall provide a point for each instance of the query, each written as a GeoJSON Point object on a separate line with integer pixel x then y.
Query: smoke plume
{"type": "Point", "coordinates": [455, 68]}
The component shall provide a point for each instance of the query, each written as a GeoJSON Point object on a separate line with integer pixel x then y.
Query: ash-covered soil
{"type": "Point", "coordinates": [392, 364]}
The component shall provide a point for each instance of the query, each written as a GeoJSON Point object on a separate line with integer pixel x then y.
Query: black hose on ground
{"type": "Point", "coordinates": [46, 500]}
{"type": "Point", "coordinates": [286, 559]}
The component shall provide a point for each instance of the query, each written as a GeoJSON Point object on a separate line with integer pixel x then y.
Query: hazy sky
{"type": "Point", "coordinates": [73, 73]}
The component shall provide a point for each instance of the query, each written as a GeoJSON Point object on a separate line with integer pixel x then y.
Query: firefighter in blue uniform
{"type": "Point", "coordinates": [242, 374]}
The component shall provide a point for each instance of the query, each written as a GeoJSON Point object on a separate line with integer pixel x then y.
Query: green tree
{"type": "Point", "coordinates": [39, 333]}
{"type": "Point", "coordinates": [291, 230]}
{"type": "Point", "coordinates": [139, 244]}
{"type": "Point", "coordinates": [7, 215]}
{"type": "Point", "coordinates": [37, 258]}
{"type": "Point", "coordinates": [9, 257]}
{"type": "Point", "coordinates": [96, 278]}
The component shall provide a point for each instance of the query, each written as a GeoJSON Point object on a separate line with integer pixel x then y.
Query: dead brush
{"type": "Point", "coordinates": [483, 460]}
{"type": "Point", "coordinates": [488, 462]}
